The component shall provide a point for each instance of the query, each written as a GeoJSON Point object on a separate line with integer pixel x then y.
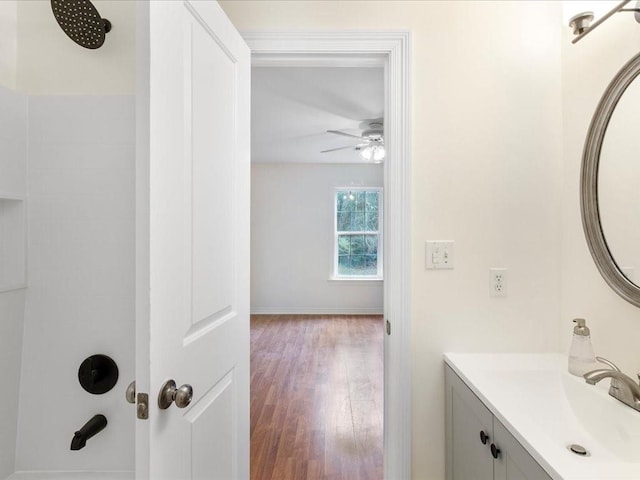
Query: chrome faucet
{"type": "Point", "coordinates": [623, 387]}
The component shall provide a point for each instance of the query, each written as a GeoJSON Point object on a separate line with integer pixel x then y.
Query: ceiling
{"type": "Point", "coordinates": [293, 107]}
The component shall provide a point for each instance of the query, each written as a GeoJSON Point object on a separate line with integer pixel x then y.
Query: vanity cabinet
{"type": "Point", "coordinates": [478, 446]}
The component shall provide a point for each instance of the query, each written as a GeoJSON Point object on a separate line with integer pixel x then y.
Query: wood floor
{"type": "Point", "coordinates": [316, 397]}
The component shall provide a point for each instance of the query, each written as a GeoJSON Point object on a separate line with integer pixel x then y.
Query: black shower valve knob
{"type": "Point", "coordinates": [98, 374]}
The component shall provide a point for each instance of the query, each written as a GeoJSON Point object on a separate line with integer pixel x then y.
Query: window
{"type": "Point", "coordinates": [358, 243]}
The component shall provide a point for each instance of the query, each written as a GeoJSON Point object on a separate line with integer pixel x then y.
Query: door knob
{"type": "Point", "coordinates": [169, 394]}
{"type": "Point", "coordinates": [484, 438]}
{"type": "Point", "coordinates": [130, 394]}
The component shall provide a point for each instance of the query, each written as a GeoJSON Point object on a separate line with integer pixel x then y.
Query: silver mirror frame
{"type": "Point", "coordinates": [589, 184]}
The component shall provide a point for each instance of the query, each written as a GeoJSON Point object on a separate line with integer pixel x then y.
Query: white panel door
{"type": "Point", "coordinates": [197, 236]}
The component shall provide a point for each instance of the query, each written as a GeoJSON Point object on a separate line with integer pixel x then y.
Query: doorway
{"type": "Point", "coordinates": [392, 51]}
{"type": "Point", "coordinates": [317, 276]}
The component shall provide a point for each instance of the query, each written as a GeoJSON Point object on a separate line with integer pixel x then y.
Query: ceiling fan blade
{"type": "Point", "coordinates": [339, 148]}
{"type": "Point", "coordinates": [338, 132]}
{"type": "Point", "coordinates": [357, 146]}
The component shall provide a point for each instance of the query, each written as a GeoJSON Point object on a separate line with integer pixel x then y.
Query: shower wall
{"type": "Point", "coordinates": [80, 297]}
{"type": "Point", "coordinates": [13, 167]}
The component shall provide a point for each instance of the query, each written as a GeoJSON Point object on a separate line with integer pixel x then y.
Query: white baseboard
{"type": "Point", "coordinates": [316, 311]}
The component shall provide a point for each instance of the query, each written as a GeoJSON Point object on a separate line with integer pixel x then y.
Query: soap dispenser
{"type": "Point", "coordinates": [582, 359]}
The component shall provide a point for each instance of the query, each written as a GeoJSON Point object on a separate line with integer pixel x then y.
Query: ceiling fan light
{"type": "Point", "coordinates": [366, 153]}
{"type": "Point", "coordinates": [373, 153]}
{"type": "Point", "coordinates": [378, 154]}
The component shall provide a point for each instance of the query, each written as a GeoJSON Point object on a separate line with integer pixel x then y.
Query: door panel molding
{"type": "Point", "coordinates": [192, 9]}
{"type": "Point", "coordinates": [211, 237]}
{"type": "Point", "coordinates": [205, 325]}
{"type": "Point", "coordinates": [391, 49]}
{"type": "Point", "coordinates": [211, 454]}
{"type": "Point", "coordinates": [197, 409]}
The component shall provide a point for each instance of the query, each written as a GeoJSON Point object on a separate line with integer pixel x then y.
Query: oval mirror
{"type": "Point", "coordinates": [610, 179]}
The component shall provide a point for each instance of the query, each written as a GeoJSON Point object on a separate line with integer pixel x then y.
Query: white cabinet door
{"type": "Point", "coordinates": [467, 457]}
{"type": "Point", "coordinates": [192, 232]}
{"type": "Point", "coordinates": [466, 417]}
{"type": "Point", "coordinates": [514, 462]}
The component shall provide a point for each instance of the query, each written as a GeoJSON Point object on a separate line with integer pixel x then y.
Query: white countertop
{"type": "Point", "coordinates": [546, 409]}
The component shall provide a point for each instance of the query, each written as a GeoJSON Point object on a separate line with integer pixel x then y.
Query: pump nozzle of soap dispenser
{"type": "Point", "coordinates": [582, 358]}
{"type": "Point", "coordinates": [581, 327]}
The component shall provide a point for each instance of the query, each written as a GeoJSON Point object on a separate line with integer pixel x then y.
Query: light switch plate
{"type": "Point", "coordinates": [439, 254]}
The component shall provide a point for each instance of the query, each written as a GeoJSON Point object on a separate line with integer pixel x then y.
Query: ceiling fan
{"type": "Point", "coordinates": [371, 146]}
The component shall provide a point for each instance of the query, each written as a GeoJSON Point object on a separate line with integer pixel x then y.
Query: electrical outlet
{"type": "Point", "coordinates": [498, 282]}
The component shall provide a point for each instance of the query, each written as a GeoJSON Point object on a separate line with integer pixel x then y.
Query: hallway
{"type": "Point", "coordinates": [316, 397]}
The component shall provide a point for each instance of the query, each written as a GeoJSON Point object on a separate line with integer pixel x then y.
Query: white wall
{"type": "Point", "coordinates": [80, 299]}
{"type": "Point", "coordinates": [487, 169]}
{"type": "Point", "coordinates": [11, 324]}
{"type": "Point", "coordinates": [48, 62]}
{"type": "Point", "coordinates": [13, 143]}
{"type": "Point", "coordinates": [8, 43]}
{"type": "Point", "coordinates": [292, 240]}
{"type": "Point", "coordinates": [587, 69]}
{"type": "Point", "coordinates": [13, 167]}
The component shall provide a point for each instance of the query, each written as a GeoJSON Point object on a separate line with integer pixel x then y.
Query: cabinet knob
{"type": "Point", "coordinates": [495, 451]}
{"type": "Point", "coordinates": [484, 438]}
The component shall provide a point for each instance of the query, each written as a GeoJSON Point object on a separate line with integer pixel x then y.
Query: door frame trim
{"type": "Point", "coordinates": [393, 50]}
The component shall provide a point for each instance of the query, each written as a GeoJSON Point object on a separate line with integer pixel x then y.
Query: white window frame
{"type": "Point", "coordinates": [379, 276]}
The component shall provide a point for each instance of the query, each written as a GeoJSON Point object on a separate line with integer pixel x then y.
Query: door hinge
{"type": "Point", "coordinates": [388, 327]}
{"type": "Point", "coordinates": [143, 406]}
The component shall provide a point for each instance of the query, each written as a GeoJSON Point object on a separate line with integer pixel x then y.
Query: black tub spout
{"type": "Point", "coordinates": [88, 430]}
